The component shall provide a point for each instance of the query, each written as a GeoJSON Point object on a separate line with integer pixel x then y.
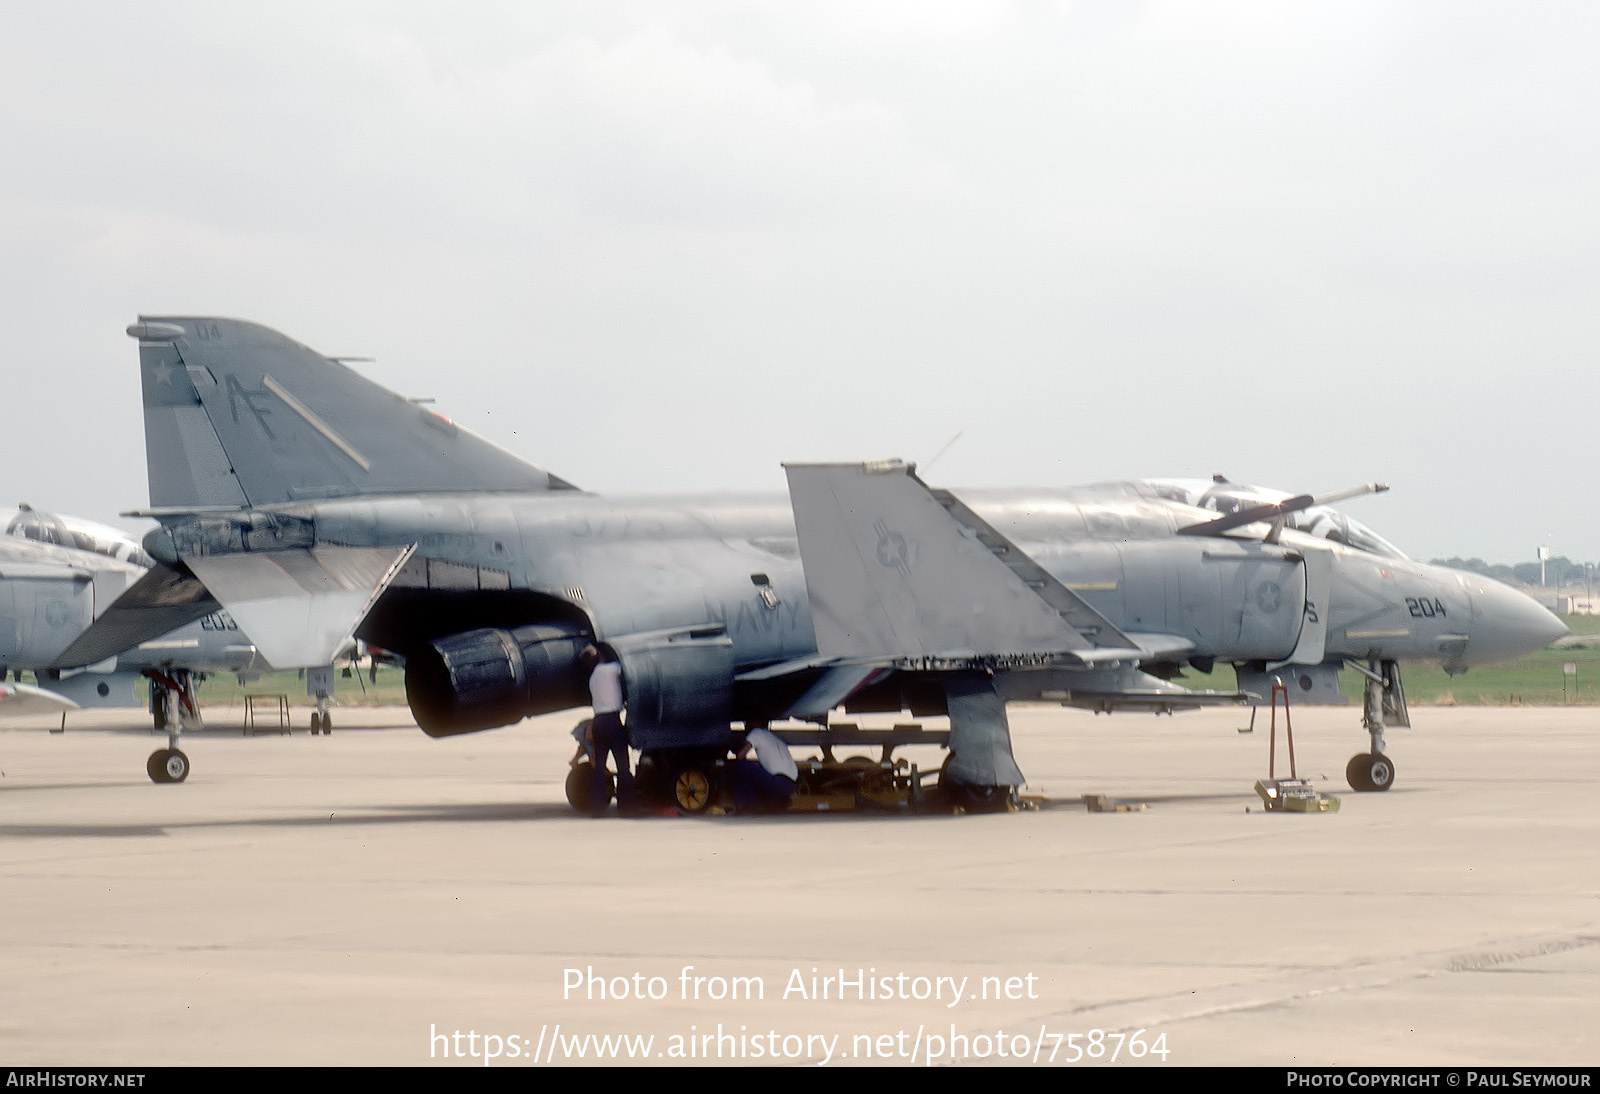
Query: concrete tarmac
{"type": "Point", "coordinates": [363, 898]}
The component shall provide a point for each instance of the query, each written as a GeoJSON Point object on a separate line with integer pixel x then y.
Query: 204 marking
{"type": "Point", "coordinates": [1422, 607]}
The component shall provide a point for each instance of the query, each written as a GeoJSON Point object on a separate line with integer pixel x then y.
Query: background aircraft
{"type": "Point", "coordinates": [26, 522]}
{"type": "Point", "coordinates": [310, 501]}
{"type": "Point", "coordinates": [57, 574]}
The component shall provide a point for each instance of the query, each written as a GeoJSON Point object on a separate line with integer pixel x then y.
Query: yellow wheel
{"type": "Point", "coordinates": [691, 790]}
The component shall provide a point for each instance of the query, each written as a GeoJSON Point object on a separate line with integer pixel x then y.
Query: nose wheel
{"type": "Point", "coordinates": [167, 765]}
{"type": "Point", "coordinates": [173, 708]}
{"type": "Point", "coordinates": [1369, 771]}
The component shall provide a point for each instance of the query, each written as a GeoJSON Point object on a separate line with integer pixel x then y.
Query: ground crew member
{"type": "Point", "coordinates": [606, 732]}
{"type": "Point", "coordinates": [766, 783]}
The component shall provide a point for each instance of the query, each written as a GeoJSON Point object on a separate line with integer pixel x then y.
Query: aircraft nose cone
{"type": "Point", "coordinates": [1509, 624]}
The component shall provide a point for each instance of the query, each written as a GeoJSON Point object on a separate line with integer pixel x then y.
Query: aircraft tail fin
{"type": "Point", "coordinates": [238, 415]}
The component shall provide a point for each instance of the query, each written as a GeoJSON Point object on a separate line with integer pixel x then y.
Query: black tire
{"type": "Point", "coordinates": [694, 788]}
{"type": "Point", "coordinates": [327, 724]}
{"type": "Point", "coordinates": [973, 799]}
{"type": "Point", "coordinates": [579, 794]}
{"type": "Point", "coordinates": [650, 783]}
{"type": "Point", "coordinates": [167, 765]}
{"type": "Point", "coordinates": [316, 723]}
{"type": "Point", "coordinates": [1369, 771]}
{"type": "Point", "coordinates": [981, 799]}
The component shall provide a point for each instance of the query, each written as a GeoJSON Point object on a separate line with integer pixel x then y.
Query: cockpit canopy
{"type": "Point", "coordinates": [1225, 497]}
{"type": "Point", "coordinates": [26, 522]}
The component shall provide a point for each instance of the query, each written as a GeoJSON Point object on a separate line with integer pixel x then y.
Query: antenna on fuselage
{"type": "Point", "coordinates": [948, 445]}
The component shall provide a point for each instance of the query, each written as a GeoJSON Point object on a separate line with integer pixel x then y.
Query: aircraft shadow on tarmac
{"type": "Point", "coordinates": [211, 731]}
{"type": "Point", "coordinates": [473, 813]}
{"type": "Point", "coordinates": [29, 787]}
{"type": "Point", "coordinates": [461, 813]}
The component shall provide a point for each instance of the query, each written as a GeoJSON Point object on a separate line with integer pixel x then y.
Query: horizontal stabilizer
{"type": "Point", "coordinates": [164, 599]}
{"type": "Point", "coordinates": [896, 571]}
{"type": "Point", "coordinates": [18, 700]}
{"type": "Point", "coordinates": [299, 606]}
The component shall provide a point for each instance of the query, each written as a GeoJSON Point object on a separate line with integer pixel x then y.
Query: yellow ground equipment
{"type": "Point", "coordinates": [1294, 794]}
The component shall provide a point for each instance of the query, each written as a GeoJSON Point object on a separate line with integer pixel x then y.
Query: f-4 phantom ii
{"type": "Point", "coordinates": [309, 501]}
{"type": "Point", "coordinates": [57, 573]}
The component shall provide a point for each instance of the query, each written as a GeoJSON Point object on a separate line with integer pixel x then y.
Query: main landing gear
{"type": "Point", "coordinates": [319, 685]}
{"type": "Point", "coordinates": [1384, 698]}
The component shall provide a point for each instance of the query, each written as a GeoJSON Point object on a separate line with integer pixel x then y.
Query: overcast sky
{"type": "Point", "coordinates": [663, 247]}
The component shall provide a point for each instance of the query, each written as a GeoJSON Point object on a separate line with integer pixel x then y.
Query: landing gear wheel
{"type": "Point", "coordinates": [580, 787]}
{"type": "Point", "coordinates": [692, 790]}
{"type": "Point", "coordinates": [167, 765]}
{"type": "Point", "coordinates": [316, 723]}
{"type": "Point", "coordinates": [1369, 771]}
{"type": "Point", "coordinates": [650, 783]}
{"type": "Point", "coordinates": [973, 799]}
{"type": "Point", "coordinates": [327, 724]}
{"type": "Point", "coordinates": [981, 799]}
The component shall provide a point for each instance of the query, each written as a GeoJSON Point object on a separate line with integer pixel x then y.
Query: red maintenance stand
{"type": "Point", "coordinates": [1294, 794]}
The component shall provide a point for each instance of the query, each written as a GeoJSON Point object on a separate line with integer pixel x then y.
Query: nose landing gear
{"type": "Point", "coordinates": [172, 709]}
{"type": "Point", "coordinates": [1384, 698]}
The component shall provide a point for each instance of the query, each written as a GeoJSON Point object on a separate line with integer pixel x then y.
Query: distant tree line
{"type": "Point", "coordinates": [1558, 570]}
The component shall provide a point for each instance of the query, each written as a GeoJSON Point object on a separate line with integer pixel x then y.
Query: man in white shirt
{"type": "Point", "coordinates": [766, 783]}
{"type": "Point", "coordinates": [606, 732]}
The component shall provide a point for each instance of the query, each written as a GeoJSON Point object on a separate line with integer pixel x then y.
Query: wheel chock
{"type": "Point", "coordinates": [1104, 803]}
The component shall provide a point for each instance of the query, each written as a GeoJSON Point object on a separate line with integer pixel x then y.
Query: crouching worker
{"type": "Point", "coordinates": [766, 783]}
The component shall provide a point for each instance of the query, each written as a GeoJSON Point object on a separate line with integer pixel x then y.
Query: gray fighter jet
{"type": "Point", "coordinates": [57, 573]}
{"type": "Point", "coordinates": [312, 503]}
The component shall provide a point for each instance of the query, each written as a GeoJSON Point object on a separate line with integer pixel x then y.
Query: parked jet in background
{"type": "Point", "coordinates": [57, 574]}
{"type": "Point", "coordinates": [310, 501]}
{"type": "Point", "coordinates": [26, 522]}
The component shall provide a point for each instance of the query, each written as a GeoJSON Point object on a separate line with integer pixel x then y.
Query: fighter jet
{"type": "Point", "coordinates": [57, 573]}
{"type": "Point", "coordinates": [312, 503]}
{"type": "Point", "coordinates": [48, 595]}
{"type": "Point", "coordinates": [26, 522]}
